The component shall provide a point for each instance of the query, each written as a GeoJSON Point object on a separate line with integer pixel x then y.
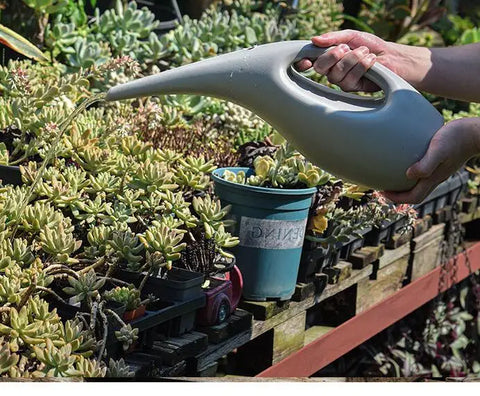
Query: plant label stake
{"type": "Point", "coordinates": [368, 141]}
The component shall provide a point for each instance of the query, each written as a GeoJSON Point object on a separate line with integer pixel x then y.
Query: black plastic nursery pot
{"type": "Point", "coordinates": [314, 259]}
{"type": "Point", "coordinates": [354, 243]}
{"type": "Point", "coordinates": [446, 193]}
{"type": "Point", "coordinates": [11, 175]}
{"type": "Point", "coordinates": [179, 285]}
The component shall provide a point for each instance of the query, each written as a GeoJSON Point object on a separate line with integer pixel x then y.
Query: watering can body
{"type": "Point", "coordinates": [368, 141]}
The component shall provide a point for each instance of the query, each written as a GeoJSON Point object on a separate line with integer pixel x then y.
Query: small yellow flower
{"type": "Point", "coordinates": [319, 223]}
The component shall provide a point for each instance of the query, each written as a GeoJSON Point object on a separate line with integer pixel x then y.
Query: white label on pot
{"type": "Point", "coordinates": [272, 234]}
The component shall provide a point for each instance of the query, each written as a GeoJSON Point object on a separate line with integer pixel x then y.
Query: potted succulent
{"type": "Point", "coordinates": [270, 205]}
{"type": "Point", "coordinates": [130, 297]}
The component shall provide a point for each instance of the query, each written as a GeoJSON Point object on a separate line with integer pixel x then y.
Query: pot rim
{"type": "Point", "coordinates": [217, 177]}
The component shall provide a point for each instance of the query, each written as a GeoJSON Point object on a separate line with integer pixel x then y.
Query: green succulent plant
{"type": "Point", "coordinates": [119, 369]}
{"type": "Point", "coordinates": [60, 242]}
{"type": "Point", "coordinates": [129, 296]}
{"type": "Point", "coordinates": [40, 215]}
{"type": "Point", "coordinates": [22, 331]}
{"type": "Point", "coordinates": [85, 288]}
{"type": "Point", "coordinates": [127, 336]}
{"type": "Point", "coordinates": [211, 214]}
{"type": "Point", "coordinates": [58, 362]}
{"type": "Point", "coordinates": [87, 52]}
{"type": "Point", "coordinates": [127, 246]}
{"type": "Point", "coordinates": [7, 359]}
{"type": "Point", "coordinates": [175, 204]}
{"type": "Point", "coordinates": [165, 241]}
{"type": "Point", "coordinates": [153, 176]}
{"type": "Point", "coordinates": [89, 211]}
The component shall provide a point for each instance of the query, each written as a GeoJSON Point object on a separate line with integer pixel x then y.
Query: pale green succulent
{"type": "Point", "coordinates": [211, 214]}
{"type": "Point", "coordinates": [159, 238]}
{"type": "Point", "coordinates": [22, 331]}
{"type": "Point", "coordinates": [59, 242]}
{"type": "Point", "coordinates": [87, 52]}
{"type": "Point", "coordinates": [153, 176]}
{"type": "Point", "coordinates": [89, 211]}
{"type": "Point", "coordinates": [191, 179]}
{"type": "Point", "coordinates": [223, 240]}
{"type": "Point", "coordinates": [85, 288]}
{"type": "Point", "coordinates": [10, 288]}
{"type": "Point", "coordinates": [131, 145]}
{"type": "Point", "coordinates": [103, 182]}
{"type": "Point", "coordinates": [127, 246]}
{"type": "Point", "coordinates": [7, 359]}
{"type": "Point", "coordinates": [127, 336]}
{"type": "Point", "coordinates": [119, 369]}
{"type": "Point", "coordinates": [58, 362]}
{"type": "Point", "coordinates": [60, 194]}
{"type": "Point", "coordinates": [238, 177]}
{"type": "Point", "coordinates": [18, 250]}
{"type": "Point", "coordinates": [174, 203]}
{"type": "Point", "coordinates": [40, 215]}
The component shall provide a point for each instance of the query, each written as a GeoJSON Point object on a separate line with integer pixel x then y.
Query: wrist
{"type": "Point", "coordinates": [411, 63]}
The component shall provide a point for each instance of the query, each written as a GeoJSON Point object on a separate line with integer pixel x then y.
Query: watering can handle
{"type": "Point", "coordinates": [387, 80]}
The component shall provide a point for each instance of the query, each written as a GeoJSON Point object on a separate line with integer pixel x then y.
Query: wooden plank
{"type": "Point", "coordinates": [345, 270]}
{"type": "Point", "coordinates": [391, 256]}
{"type": "Point", "coordinates": [360, 328]}
{"type": "Point", "coordinates": [263, 310]}
{"type": "Point", "coordinates": [426, 253]}
{"type": "Point", "coordinates": [288, 337]}
{"type": "Point", "coordinates": [261, 326]}
{"type": "Point", "coordinates": [389, 278]}
{"type": "Point", "coordinates": [216, 351]}
{"type": "Point", "coordinates": [315, 332]}
{"type": "Point", "coordinates": [303, 291]}
{"type": "Point", "coordinates": [399, 239]}
{"type": "Point", "coordinates": [357, 275]}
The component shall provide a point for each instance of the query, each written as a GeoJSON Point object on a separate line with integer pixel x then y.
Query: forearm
{"type": "Point", "coordinates": [451, 72]}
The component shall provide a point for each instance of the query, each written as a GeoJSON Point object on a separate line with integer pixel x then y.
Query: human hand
{"type": "Point", "coordinates": [355, 52]}
{"type": "Point", "coordinates": [451, 146]}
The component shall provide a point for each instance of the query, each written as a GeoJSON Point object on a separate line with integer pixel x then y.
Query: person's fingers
{"type": "Point", "coordinates": [355, 81]}
{"type": "Point", "coordinates": [328, 59]}
{"type": "Point", "coordinates": [335, 38]}
{"type": "Point", "coordinates": [416, 195]}
{"type": "Point", "coordinates": [430, 161]}
{"type": "Point", "coordinates": [338, 71]}
{"type": "Point", "coordinates": [303, 64]}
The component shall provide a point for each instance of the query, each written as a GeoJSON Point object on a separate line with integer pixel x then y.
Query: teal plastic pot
{"type": "Point", "coordinates": [270, 224]}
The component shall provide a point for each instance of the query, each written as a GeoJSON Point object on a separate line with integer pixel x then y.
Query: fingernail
{"type": "Point", "coordinates": [344, 47]}
{"type": "Point", "coordinates": [364, 50]}
{"type": "Point", "coordinates": [371, 57]}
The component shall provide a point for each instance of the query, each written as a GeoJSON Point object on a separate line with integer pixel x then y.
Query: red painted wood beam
{"type": "Point", "coordinates": [365, 325]}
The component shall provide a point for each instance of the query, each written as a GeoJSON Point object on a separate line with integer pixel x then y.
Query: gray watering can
{"type": "Point", "coordinates": [368, 141]}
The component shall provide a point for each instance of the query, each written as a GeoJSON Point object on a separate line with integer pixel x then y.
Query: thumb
{"type": "Point", "coordinates": [333, 38]}
{"type": "Point", "coordinates": [425, 167]}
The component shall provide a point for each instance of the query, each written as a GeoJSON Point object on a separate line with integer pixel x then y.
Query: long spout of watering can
{"type": "Point", "coordinates": [201, 78]}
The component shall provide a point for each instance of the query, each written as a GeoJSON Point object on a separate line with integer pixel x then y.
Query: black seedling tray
{"type": "Point", "coordinates": [180, 285]}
